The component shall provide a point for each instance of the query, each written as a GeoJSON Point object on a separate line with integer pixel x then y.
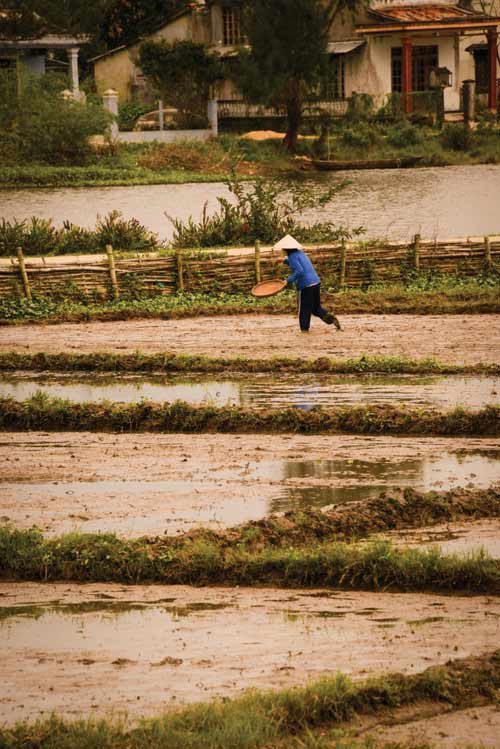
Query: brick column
{"type": "Point", "coordinates": [492, 69]}
{"type": "Point", "coordinates": [406, 75]}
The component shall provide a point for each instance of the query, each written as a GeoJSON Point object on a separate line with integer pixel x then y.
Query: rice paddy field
{"type": "Point", "coordinates": [215, 532]}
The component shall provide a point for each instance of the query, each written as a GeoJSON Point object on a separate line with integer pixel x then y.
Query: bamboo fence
{"type": "Point", "coordinates": [344, 264]}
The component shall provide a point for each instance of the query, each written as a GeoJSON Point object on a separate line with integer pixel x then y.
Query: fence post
{"type": "Point", "coordinates": [343, 259]}
{"type": "Point", "coordinates": [24, 273]}
{"type": "Point", "coordinates": [416, 251]}
{"type": "Point", "coordinates": [257, 261]}
{"type": "Point", "coordinates": [180, 271]}
{"type": "Point", "coordinates": [487, 254]}
{"type": "Point", "coordinates": [112, 271]}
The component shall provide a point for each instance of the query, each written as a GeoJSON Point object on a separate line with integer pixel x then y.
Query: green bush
{"type": "Point", "coordinates": [40, 237]}
{"type": "Point", "coordinates": [361, 136]}
{"type": "Point", "coordinates": [403, 136]}
{"type": "Point", "coordinates": [129, 112]}
{"type": "Point", "coordinates": [40, 124]}
{"type": "Point", "coordinates": [456, 138]}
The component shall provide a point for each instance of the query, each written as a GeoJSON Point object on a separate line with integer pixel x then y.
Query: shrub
{"type": "Point", "coordinates": [40, 124]}
{"type": "Point", "coordinates": [404, 136]}
{"type": "Point", "coordinates": [129, 112]}
{"type": "Point", "coordinates": [40, 237]}
{"type": "Point", "coordinates": [456, 138]}
{"type": "Point", "coordinates": [265, 210]}
{"type": "Point", "coordinates": [361, 136]}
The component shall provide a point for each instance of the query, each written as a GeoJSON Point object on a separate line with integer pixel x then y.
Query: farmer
{"type": "Point", "coordinates": [307, 282]}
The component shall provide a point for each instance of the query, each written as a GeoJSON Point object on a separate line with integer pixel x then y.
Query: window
{"type": "Point", "coordinates": [334, 87]}
{"type": "Point", "coordinates": [231, 26]}
{"type": "Point", "coordinates": [424, 59]}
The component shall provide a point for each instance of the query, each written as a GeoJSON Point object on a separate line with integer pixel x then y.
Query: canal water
{"type": "Point", "coordinates": [305, 392]}
{"type": "Point", "coordinates": [437, 202]}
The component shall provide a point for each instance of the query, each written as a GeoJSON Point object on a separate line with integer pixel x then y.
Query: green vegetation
{"type": "Point", "coordinates": [44, 413]}
{"type": "Point", "coordinates": [102, 557]}
{"type": "Point", "coordinates": [40, 237]}
{"type": "Point", "coordinates": [272, 719]}
{"type": "Point", "coordinates": [469, 296]}
{"type": "Point", "coordinates": [38, 122]}
{"type": "Point", "coordinates": [182, 73]}
{"type": "Point", "coordinates": [11, 361]}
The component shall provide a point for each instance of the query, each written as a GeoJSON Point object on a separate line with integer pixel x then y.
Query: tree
{"type": "Point", "coordinates": [182, 73]}
{"type": "Point", "coordinates": [28, 19]}
{"type": "Point", "coordinates": [287, 48]}
{"type": "Point", "coordinates": [126, 20]}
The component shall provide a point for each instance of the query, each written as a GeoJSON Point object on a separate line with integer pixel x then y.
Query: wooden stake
{"type": "Point", "coordinates": [487, 253]}
{"type": "Point", "coordinates": [24, 273]}
{"type": "Point", "coordinates": [343, 263]}
{"type": "Point", "coordinates": [416, 249]}
{"type": "Point", "coordinates": [112, 271]}
{"type": "Point", "coordinates": [180, 272]}
{"type": "Point", "coordinates": [257, 261]}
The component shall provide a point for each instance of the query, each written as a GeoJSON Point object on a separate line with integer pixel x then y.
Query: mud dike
{"type": "Point", "coordinates": [339, 545]}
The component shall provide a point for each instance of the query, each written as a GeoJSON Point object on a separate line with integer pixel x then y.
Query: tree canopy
{"type": "Point", "coordinates": [287, 49]}
{"type": "Point", "coordinates": [181, 72]}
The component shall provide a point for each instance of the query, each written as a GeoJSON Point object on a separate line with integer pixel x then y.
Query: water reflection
{"type": "Point", "coordinates": [305, 392]}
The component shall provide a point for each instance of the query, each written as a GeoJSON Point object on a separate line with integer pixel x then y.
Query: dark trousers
{"type": "Point", "coordinates": [310, 304]}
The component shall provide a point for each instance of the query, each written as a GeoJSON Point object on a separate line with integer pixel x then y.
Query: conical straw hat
{"type": "Point", "coordinates": [288, 243]}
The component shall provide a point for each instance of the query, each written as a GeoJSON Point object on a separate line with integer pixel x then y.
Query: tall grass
{"type": "Point", "coordinates": [27, 555]}
{"type": "Point", "coordinates": [43, 412]}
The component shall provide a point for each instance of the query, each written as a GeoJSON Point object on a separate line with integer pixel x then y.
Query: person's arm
{"type": "Point", "coordinates": [296, 267]}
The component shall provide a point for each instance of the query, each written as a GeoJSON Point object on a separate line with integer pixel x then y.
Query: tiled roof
{"type": "Point", "coordinates": [424, 13]}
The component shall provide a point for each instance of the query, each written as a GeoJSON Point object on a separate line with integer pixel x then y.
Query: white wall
{"type": "Point", "coordinates": [369, 71]}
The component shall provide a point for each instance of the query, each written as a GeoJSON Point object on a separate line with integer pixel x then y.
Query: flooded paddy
{"type": "Point", "coordinates": [263, 391]}
{"type": "Point", "coordinates": [63, 645]}
{"type": "Point", "coordinates": [154, 484]}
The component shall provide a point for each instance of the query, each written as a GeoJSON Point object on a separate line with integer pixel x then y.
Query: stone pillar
{"type": "Point", "coordinates": [73, 64]}
{"type": "Point", "coordinates": [406, 75]}
{"type": "Point", "coordinates": [213, 120]}
{"type": "Point", "coordinates": [469, 101]}
{"type": "Point", "coordinates": [492, 69]}
{"type": "Point", "coordinates": [110, 101]}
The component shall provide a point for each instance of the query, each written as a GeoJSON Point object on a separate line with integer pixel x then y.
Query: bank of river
{"type": "Point", "coordinates": [456, 201]}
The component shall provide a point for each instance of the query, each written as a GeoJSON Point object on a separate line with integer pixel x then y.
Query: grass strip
{"type": "Point", "coordinates": [11, 361]}
{"type": "Point", "coordinates": [42, 412]}
{"type": "Point", "coordinates": [263, 718]}
{"type": "Point", "coordinates": [27, 555]}
{"type": "Point", "coordinates": [473, 298]}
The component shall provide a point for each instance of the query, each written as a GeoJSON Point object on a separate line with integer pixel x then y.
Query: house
{"type": "Point", "coordinates": [35, 54]}
{"type": "Point", "coordinates": [392, 46]}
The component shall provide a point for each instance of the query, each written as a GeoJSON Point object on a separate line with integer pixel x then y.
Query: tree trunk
{"type": "Point", "coordinates": [293, 103]}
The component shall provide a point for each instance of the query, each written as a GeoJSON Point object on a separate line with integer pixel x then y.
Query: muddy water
{"type": "Point", "coordinates": [159, 646]}
{"type": "Point", "coordinates": [207, 485]}
{"type": "Point", "coordinates": [304, 392]}
{"type": "Point", "coordinates": [436, 202]}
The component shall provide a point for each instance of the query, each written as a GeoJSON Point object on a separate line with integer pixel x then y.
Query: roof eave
{"type": "Point", "coordinates": [388, 28]}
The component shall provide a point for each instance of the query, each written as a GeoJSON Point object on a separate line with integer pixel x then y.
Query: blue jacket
{"type": "Point", "coordinates": [303, 270]}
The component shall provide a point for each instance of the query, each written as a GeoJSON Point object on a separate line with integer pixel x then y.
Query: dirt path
{"type": "Point", "coordinates": [153, 484]}
{"type": "Point", "coordinates": [160, 646]}
{"type": "Point", "coordinates": [448, 338]}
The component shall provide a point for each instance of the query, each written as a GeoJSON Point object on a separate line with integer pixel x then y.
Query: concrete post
{"type": "Point", "coordinates": [73, 64]}
{"type": "Point", "coordinates": [213, 119]}
{"type": "Point", "coordinates": [110, 101]}
{"type": "Point", "coordinates": [469, 101]}
{"type": "Point", "coordinates": [161, 118]}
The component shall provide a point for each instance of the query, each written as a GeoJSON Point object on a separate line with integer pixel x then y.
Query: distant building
{"type": "Point", "coordinates": [34, 54]}
{"type": "Point", "coordinates": [390, 47]}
